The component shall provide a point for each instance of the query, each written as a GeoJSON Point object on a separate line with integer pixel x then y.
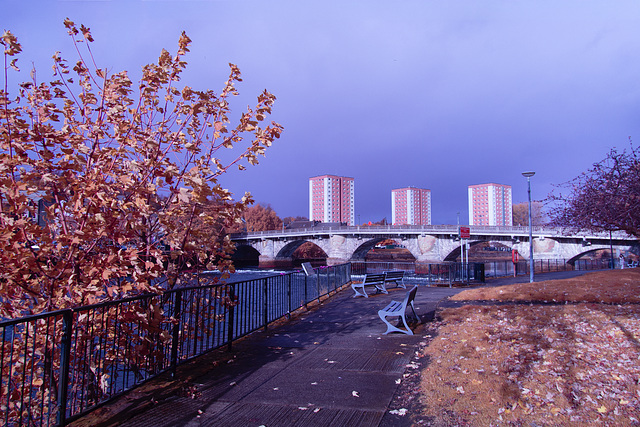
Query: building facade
{"type": "Point", "coordinates": [411, 206]}
{"type": "Point", "coordinates": [490, 204]}
{"type": "Point", "coordinates": [332, 199]}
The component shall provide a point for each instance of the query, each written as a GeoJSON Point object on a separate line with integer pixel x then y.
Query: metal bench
{"type": "Point", "coordinates": [398, 309]}
{"type": "Point", "coordinates": [396, 276]}
{"type": "Point", "coordinates": [375, 280]}
{"type": "Point", "coordinates": [308, 269]}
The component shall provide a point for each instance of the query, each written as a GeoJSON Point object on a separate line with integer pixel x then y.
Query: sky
{"type": "Point", "coordinates": [427, 93]}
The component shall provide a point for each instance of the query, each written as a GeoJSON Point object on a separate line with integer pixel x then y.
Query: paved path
{"type": "Point", "coordinates": [330, 366]}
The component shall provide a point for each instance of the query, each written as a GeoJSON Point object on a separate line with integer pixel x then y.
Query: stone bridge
{"type": "Point", "coordinates": [435, 243]}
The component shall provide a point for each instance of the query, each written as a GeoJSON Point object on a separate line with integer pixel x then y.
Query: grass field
{"type": "Point", "coordinates": [563, 352]}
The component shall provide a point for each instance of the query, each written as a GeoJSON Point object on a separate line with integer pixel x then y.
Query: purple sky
{"type": "Point", "coordinates": [425, 93]}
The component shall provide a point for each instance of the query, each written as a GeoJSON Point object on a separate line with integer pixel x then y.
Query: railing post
{"type": "Point", "coordinates": [306, 297]}
{"type": "Point", "coordinates": [176, 333]}
{"type": "Point", "coordinates": [265, 317]}
{"type": "Point", "coordinates": [65, 354]}
{"type": "Point", "coordinates": [231, 315]}
{"type": "Point", "coordinates": [334, 270]}
{"type": "Point", "coordinates": [290, 275]}
{"type": "Point", "coordinates": [329, 270]}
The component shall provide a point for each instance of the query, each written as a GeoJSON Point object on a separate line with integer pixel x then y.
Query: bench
{"type": "Point", "coordinates": [398, 309]}
{"type": "Point", "coordinates": [308, 269]}
{"type": "Point", "coordinates": [375, 280]}
{"type": "Point", "coordinates": [396, 276]}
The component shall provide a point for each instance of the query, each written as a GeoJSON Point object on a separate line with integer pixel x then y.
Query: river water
{"type": "Point", "coordinates": [249, 274]}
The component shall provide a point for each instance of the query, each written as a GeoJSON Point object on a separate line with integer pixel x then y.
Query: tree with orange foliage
{"type": "Point", "coordinates": [261, 218]}
{"type": "Point", "coordinates": [520, 213]}
{"type": "Point", "coordinates": [123, 172]}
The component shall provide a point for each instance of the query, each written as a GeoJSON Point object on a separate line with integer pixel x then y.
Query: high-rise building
{"type": "Point", "coordinates": [331, 199]}
{"type": "Point", "coordinates": [411, 206]}
{"type": "Point", "coordinates": [490, 204]}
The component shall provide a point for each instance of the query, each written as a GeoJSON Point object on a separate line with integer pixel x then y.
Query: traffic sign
{"type": "Point", "coordinates": [465, 232]}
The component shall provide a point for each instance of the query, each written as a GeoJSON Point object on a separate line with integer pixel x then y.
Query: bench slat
{"type": "Point", "coordinates": [394, 307]}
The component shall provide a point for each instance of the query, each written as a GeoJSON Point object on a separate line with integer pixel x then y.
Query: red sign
{"type": "Point", "coordinates": [514, 256]}
{"type": "Point", "coordinates": [465, 232]}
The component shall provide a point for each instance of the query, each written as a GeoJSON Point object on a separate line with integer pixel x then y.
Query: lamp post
{"type": "Point", "coordinates": [528, 175]}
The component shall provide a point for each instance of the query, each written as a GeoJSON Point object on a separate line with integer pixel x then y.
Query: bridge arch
{"type": "Point", "coordinates": [361, 251]}
{"type": "Point", "coordinates": [456, 252]}
{"type": "Point", "coordinates": [573, 259]}
{"type": "Point", "coordinates": [288, 251]}
{"type": "Point", "coordinates": [496, 246]}
{"type": "Point", "coordinates": [245, 256]}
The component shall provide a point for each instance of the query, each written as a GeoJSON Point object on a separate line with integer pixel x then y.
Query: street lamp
{"type": "Point", "coordinates": [528, 175]}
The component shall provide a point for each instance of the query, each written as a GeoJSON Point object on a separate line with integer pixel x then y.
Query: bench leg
{"type": "Point", "coordinates": [358, 293]}
{"type": "Point", "coordinates": [381, 288]}
{"type": "Point", "coordinates": [414, 312]}
{"type": "Point", "coordinates": [392, 328]}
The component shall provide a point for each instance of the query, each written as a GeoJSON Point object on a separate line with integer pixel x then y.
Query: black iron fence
{"type": "Point", "coordinates": [443, 274]}
{"type": "Point", "coordinates": [57, 366]}
{"type": "Point", "coordinates": [508, 268]}
{"type": "Point", "coordinates": [450, 273]}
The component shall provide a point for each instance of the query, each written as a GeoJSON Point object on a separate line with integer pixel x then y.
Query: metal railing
{"type": "Point", "coordinates": [506, 268]}
{"type": "Point", "coordinates": [450, 273]}
{"type": "Point", "coordinates": [435, 274]}
{"type": "Point", "coordinates": [57, 366]}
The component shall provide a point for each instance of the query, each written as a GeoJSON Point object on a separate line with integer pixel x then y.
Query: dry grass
{"type": "Point", "coordinates": [612, 287]}
{"type": "Point", "coordinates": [567, 354]}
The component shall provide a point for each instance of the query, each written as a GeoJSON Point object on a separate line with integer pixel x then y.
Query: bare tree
{"type": "Point", "coordinates": [605, 198]}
